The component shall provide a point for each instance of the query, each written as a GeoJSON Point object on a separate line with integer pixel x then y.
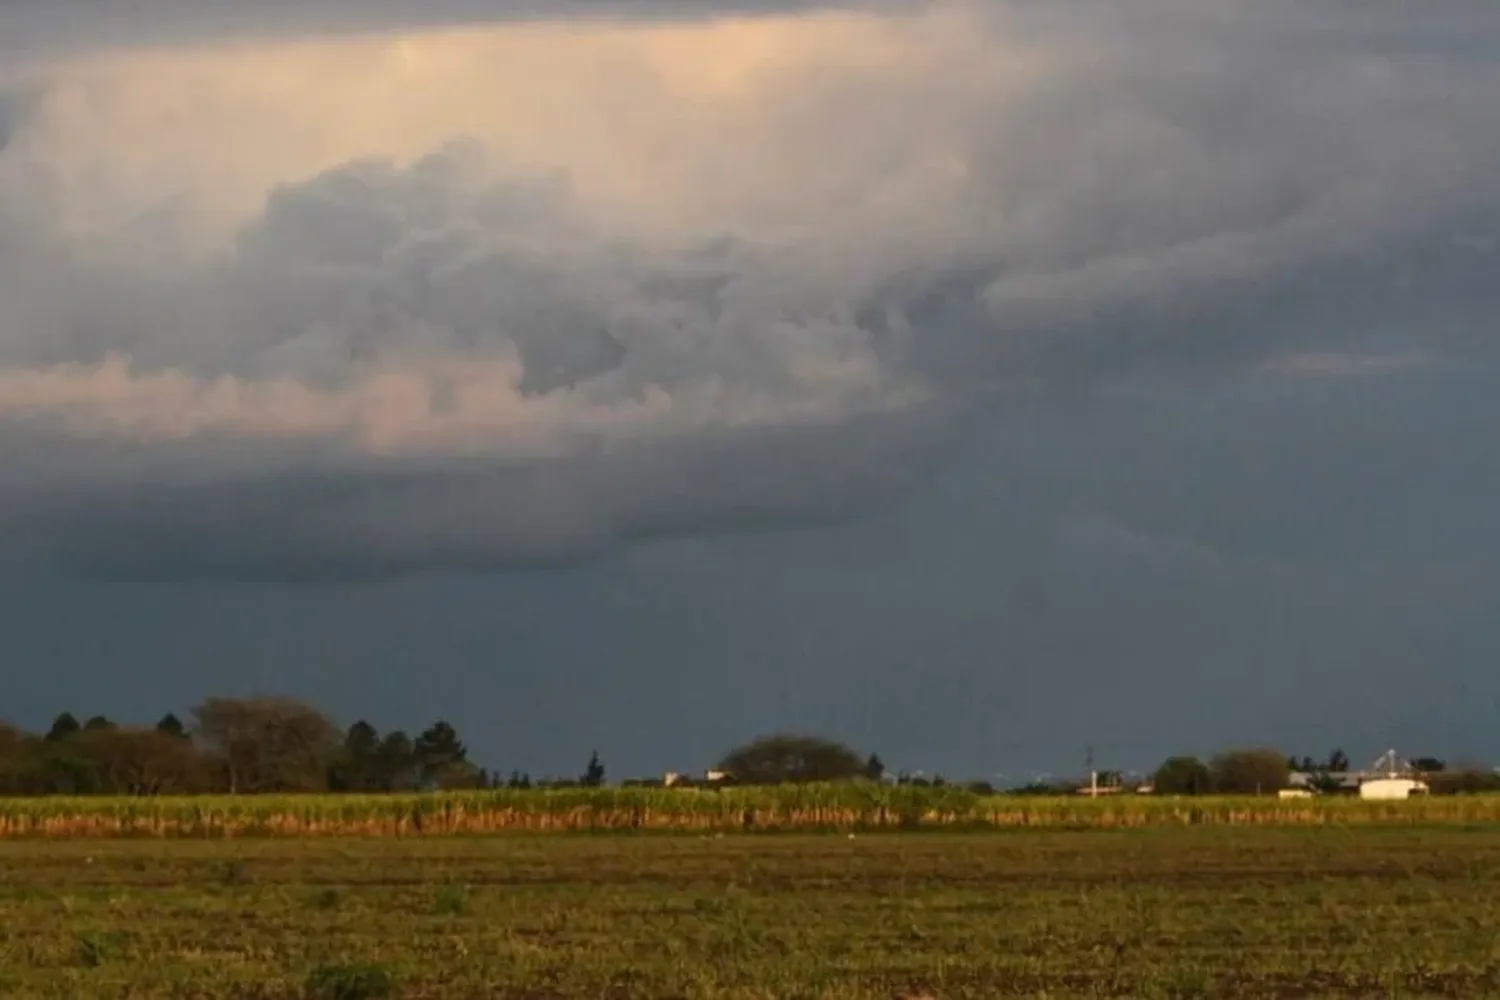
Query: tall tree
{"type": "Point", "coordinates": [60, 767]}
{"type": "Point", "coordinates": [170, 725]}
{"type": "Point", "coordinates": [1181, 776]}
{"type": "Point", "coordinates": [63, 726]}
{"type": "Point", "coordinates": [442, 760]}
{"type": "Point", "coordinates": [593, 776]}
{"type": "Point", "coordinates": [396, 768]}
{"type": "Point", "coordinates": [358, 766]}
{"type": "Point", "coordinates": [784, 757]}
{"type": "Point", "coordinates": [268, 744]}
{"type": "Point", "coordinates": [874, 767]}
{"type": "Point", "coordinates": [98, 722]}
{"type": "Point", "coordinates": [134, 761]}
{"type": "Point", "coordinates": [1246, 772]}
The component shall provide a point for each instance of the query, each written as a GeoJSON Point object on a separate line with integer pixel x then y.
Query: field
{"type": "Point", "coordinates": [856, 807]}
{"type": "Point", "coordinates": [1155, 912]}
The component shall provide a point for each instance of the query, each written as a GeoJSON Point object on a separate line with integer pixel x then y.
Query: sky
{"type": "Point", "coordinates": [974, 382]}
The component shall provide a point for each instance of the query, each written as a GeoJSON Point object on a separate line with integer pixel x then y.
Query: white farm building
{"type": "Point", "coordinates": [1390, 778]}
{"type": "Point", "coordinates": [1391, 788]}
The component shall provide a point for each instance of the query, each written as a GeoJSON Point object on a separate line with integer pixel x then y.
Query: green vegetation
{"type": "Point", "coordinates": [790, 758]}
{"type": "Point", "coordinates": [350, 982]}
{"type": "Point", "coordinates": [846, 806]}
{"type": "Point", "coordinates": [274, 745]}
{"type": "Point", "coordinates": [238, 745]}
{"type": "Point", "coordinates": [1186, 912]}
{"type": "Point", "coordinates": [1182, 776]}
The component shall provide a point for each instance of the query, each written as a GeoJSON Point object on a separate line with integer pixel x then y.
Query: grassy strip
{"type": "Point", "coordinates": [781, 809]}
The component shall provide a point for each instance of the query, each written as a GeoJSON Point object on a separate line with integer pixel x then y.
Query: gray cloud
{"type": "Point", "coordinates": [12, 107]}
{"type": "Point", "coordinates": [32, 30]}
{"type": "Point", "coordinates": [312, 526]}
{"type": "Point", "coordinates": [488, 356]}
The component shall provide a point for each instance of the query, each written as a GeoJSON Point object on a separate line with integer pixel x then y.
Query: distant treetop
{"type": "Point", "coordinates": [785, 757]}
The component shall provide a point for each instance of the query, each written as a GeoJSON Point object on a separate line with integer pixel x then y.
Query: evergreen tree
{"type": "Point", "coordinates": [442, 760]}
{"type": "Point", "coordinates": [171, 726]}
{"type": "Point", "coordinates": [358, 768]}
{"type": "Point", "coordinates": [63, 726]}
{"type": "Point", "coordinates": [594, 776]}
{"type": "Point", "coordinates": [397, 767]}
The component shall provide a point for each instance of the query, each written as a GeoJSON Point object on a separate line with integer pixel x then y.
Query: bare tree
{"type": "Point", "coordinates": [268, 743]}
{"type": "Point", "coordinates": [1247, 772]}
{"type": "Point", "coordinates": [136, 761]}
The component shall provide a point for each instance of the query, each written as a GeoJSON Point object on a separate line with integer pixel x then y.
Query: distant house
{"type": "Point", "coordinates": [1104, 783]}
{"type": "Point", "coordinates": [678, 779]}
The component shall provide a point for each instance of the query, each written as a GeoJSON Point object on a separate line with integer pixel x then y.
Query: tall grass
{"type": "Point", "coordinates": [786, 808]}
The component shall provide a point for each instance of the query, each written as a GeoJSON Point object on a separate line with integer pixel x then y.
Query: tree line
{"type": "Point", "coordinates": [276, 744]}
{"type": "Point", "coordinates": [1254, 771]}
{"type": "Point", "coordinates": [242, 745]}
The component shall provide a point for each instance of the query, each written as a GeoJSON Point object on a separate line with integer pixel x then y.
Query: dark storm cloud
{"type": "Point", "coordinates": [313, 526]}
{"type": "Point", "coordinates": [462, 362]}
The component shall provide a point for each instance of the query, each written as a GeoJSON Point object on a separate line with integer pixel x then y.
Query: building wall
{"type": "Point", "coordinates": [1390, 788]}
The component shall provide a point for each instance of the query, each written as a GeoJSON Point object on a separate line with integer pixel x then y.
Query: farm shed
{"type": "Point", "coordinates": [1390, 788]}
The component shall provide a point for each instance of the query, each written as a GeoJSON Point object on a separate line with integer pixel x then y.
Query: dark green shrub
{"type": "Point", "coordinates": [450, 901]}
{"type": "Point", "coordinates": [350, 982]}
